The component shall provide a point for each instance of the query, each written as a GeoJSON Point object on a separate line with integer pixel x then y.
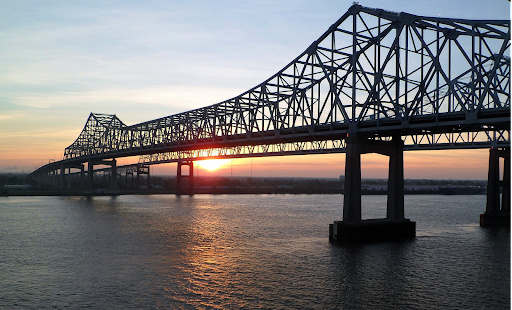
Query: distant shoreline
{"type": "Point", "coordinates": [235, 191]}
{"type": "Point", "coordinates": [19, 185]}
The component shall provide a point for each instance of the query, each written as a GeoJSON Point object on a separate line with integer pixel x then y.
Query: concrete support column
{"type": "Point", "coordinates": [138, 179]}
{"type": "Point", "coordinates": [191, 178]}
{"type": "Point", "coordinates": [493, 182]}
{"type": "Point", "coordinates": [496, 213]}
{"type": "Point", "coordinates": [82, 176]}
{"type": "Point", "coordinates": [62, 177]}
{"type": "Point", "coordinates": [113, 175]}
{"type": "Point", "coordinates": [149, 179]}
{"type": "Point", "coordinates": [53, 180]}
{"type": "Point", "coordinates": [394, 226]}
{"type": "Point", "coordinates": [352, 191]}
{"type": "Point", "coordinates": [395, 206]}
{"type": "Point", "coordinates": [129, 185]}
{"type": "Point", "coordinates": [44, 179]}
{"type": "Point", "coordinates": [90, 175]}
{"type": "Point", "coordinates": [179, 178]}
{"type": "Point", "coordinates": [505, 194]}
{"type": "Point", "coordinates": [47, 179]}
{"type": "Point", "coordinates": [70, 179]}
{"type": "Point", "coordinates": [56, 178]}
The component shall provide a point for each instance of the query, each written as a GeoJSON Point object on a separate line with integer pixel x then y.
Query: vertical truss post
{"type": "Point", "coordinates": [353, 64]}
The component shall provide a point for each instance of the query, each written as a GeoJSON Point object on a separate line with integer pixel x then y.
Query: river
{"type": "Point", "coordinates": [244, 252]}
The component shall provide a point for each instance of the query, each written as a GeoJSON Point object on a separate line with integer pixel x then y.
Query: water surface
{"type": "Point", "coordinates": [244, 252]}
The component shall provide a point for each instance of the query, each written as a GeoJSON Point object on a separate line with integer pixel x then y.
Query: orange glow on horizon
{"type": "Point", "coordinates": [212, 164]}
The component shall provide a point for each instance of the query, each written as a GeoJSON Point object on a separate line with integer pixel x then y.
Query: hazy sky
{"type": "Point", "coordinates": [140, 60]}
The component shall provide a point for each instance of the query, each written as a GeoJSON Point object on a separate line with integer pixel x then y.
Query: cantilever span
{"type": "Point", "coordinates": [373, 72]}
{"type": "Point", "coordinates": [375, 81]}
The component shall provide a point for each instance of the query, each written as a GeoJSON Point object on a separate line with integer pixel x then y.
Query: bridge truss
{"type": "Point", "coordinates": [459, 140]}
{"type": "Point", "coordinates": [437, 82]}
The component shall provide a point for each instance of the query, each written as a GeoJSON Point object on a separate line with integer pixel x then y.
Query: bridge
{"type": "Point", "coordinates": [375, 82]}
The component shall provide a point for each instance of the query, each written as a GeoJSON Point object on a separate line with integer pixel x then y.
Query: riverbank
{"type": "Point", "coordinates": [19, 185]}
{"type": "Point", "coordinates": [460, 190]}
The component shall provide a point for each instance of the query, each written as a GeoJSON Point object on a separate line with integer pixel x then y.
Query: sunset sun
{"type": "Point", "coordinates": [212, 164]}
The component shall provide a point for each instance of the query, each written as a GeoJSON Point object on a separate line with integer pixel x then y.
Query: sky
{"type": "Point", "coordinates": [141, 60]}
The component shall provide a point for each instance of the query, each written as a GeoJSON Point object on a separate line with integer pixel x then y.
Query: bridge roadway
{"type": "Point", "coordinates": [375, 81]}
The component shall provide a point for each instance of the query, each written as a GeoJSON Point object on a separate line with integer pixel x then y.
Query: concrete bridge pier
{"type": "Point", "coordinates": [69, 180]}
{"type": "Point", "coordinates": [45, 179]}
{"type": "Point", "coordinates": [126, 179]}
{"type": "Point", "coordinates": [41, 179]}
{"type": "Point", "coordinates": [82, 176]}
{"type": "Point", "coordinates": [497, 211]}
{"type": "Point", "coordinates": [90, 175]}
{"type": "Point", "coordinates": [113, 173]}
{"type": "Point", "coordinates": [48, 179]}
{"type": "Point", "coordinates": [141, 170]}
{"type": "Point", "coordinates": [62, 177]}
{"type": "Point", "coordinates": [148, 179]}
{"type": "Point", "coordinates": [52, 179]}
{"type": "Point", "coordinates": [181, 187]}
{"type": "Point", "coordinates": [394, 226]}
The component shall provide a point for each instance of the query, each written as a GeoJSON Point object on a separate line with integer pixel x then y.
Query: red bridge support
{"type": "Point", "coordinates": [394, 226]}
{"type": "Point", "coordinates": [497, 211]}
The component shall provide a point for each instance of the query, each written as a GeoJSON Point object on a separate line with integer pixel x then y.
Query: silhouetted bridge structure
{"type": "Point", "coordinates": [375, 82]}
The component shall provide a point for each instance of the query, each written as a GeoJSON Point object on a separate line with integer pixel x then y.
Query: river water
{"type": "Point", "coordinates": [244, 252]}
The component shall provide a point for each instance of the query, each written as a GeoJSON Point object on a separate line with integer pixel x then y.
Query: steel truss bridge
{"type": "Point", "coordinates": [435, 83]}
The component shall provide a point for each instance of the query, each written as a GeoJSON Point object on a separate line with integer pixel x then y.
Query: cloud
{"type": "Point", "coordinates": [163, 100]}
{"type": "Point", "coordinates": [11, 116]}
